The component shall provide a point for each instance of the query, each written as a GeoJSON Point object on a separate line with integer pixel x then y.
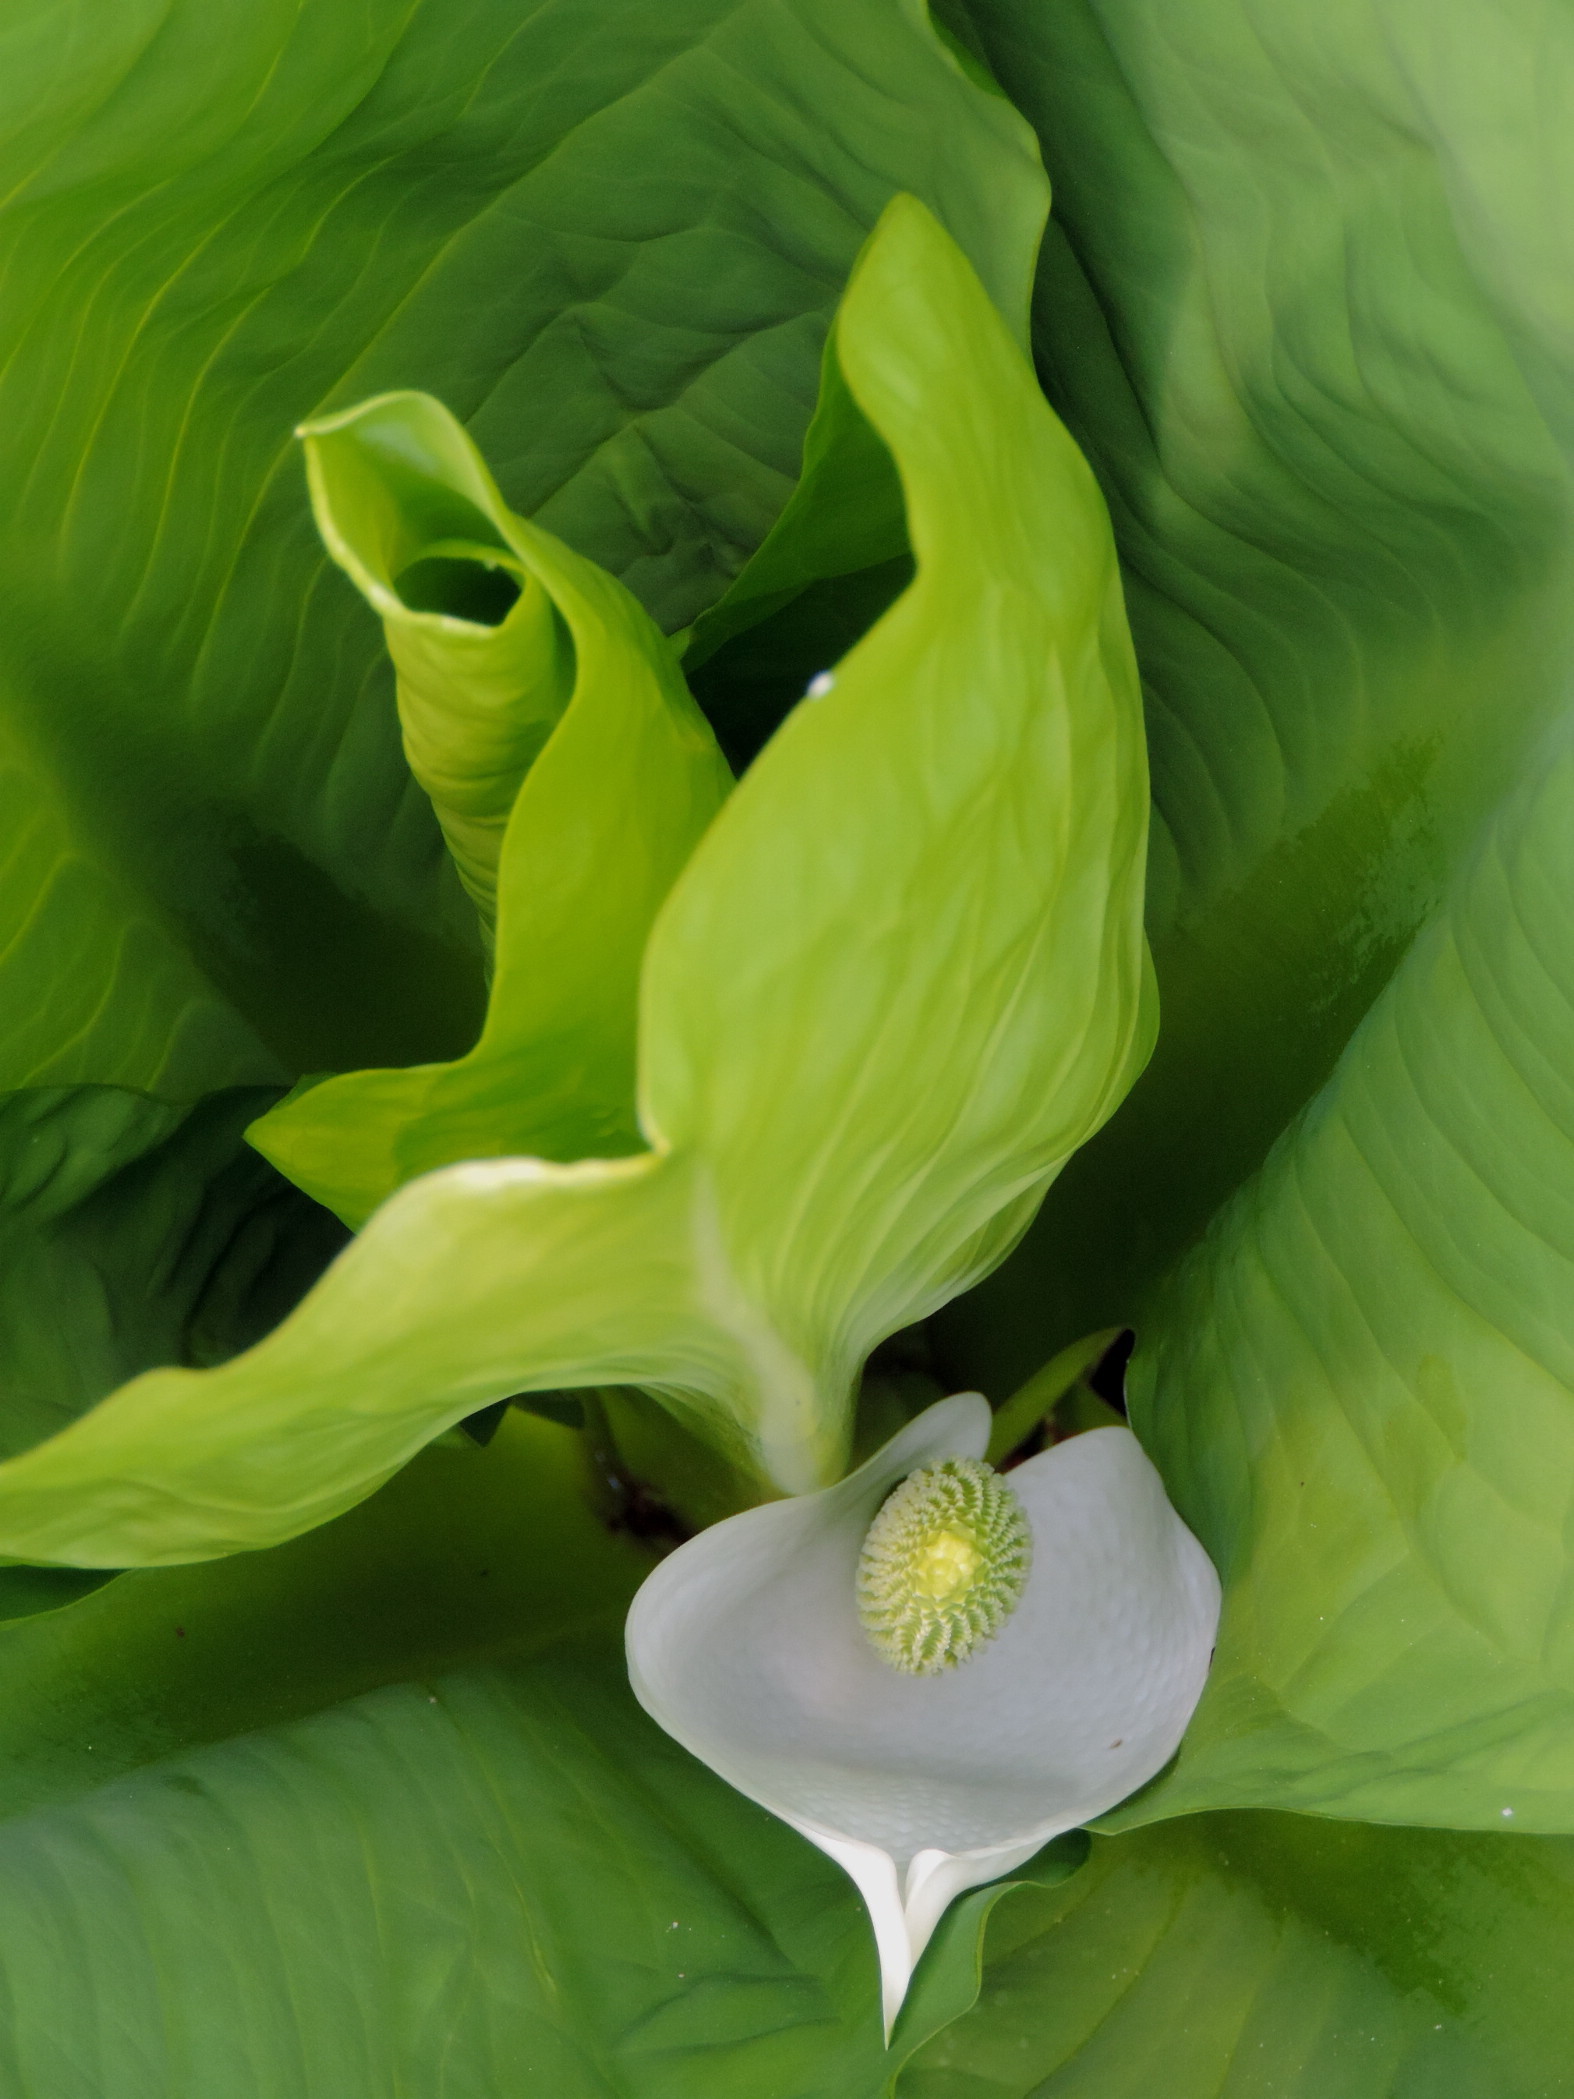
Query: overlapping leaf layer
{"type": "Point", "coordinates": [372, 1810]}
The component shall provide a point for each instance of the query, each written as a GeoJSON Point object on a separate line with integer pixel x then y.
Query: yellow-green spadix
{"type": "Point", "coordinates": [943, 1565]}
{"type": "Point", "coordinates": [753, 1646]}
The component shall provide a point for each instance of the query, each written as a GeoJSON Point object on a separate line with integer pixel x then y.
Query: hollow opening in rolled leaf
{"type": "Point", "coordinates": [463, 581]}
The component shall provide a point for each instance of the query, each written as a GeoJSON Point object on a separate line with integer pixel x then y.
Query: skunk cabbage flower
{"type": "Point", "coordinates": [931, 1683]}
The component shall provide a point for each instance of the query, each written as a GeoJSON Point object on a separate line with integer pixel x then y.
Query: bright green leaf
{"type": "Point", "coordinates": [459, 1283]}
{"type": "Point", "coordinates": [610, 810]}
{"type": "Point", "coordinates": [901, 979]}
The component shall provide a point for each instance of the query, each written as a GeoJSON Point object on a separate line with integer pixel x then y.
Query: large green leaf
{"type": "Point", "coordinates": [1274, 1957]}
{"type": "Point", "coordinates": [1361, 1388]}
{"type": "Point", "coordinates": [501, 1882]}
{"type": "Point", "coordinates": [1304, 305]}
{"type": "Point", "coordinates": [221, 215]}
{"type": "Point", "coordinates": [576, 691]}
{"type": "Point", "coordinates": [901, 979]}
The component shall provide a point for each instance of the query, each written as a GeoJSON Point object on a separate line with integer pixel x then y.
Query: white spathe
{"type": "Point", "coordinates": [746, 1646]}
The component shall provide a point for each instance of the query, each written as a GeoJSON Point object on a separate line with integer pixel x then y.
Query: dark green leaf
{"type": "Point", "coordinates": [133, 1233]}
{"type": "Point", "coordinates": [25, 1591]}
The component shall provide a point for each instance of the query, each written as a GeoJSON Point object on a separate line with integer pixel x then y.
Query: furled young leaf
{"type": "Point", "coordinates": [222, 215]}
{"type": "Point", "coordinates": [483, 662]}
{"type": "Point", "coordinates": [1274, 1957]}
{"type": "Point", "coordinates": [901, 979]}
{"type": "Point", "coordinates": [1362, 1389]}
{"type": "Point", "coordinates": [1304, 304]}
{"type": "Point", "coordinates": [627, 780]}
